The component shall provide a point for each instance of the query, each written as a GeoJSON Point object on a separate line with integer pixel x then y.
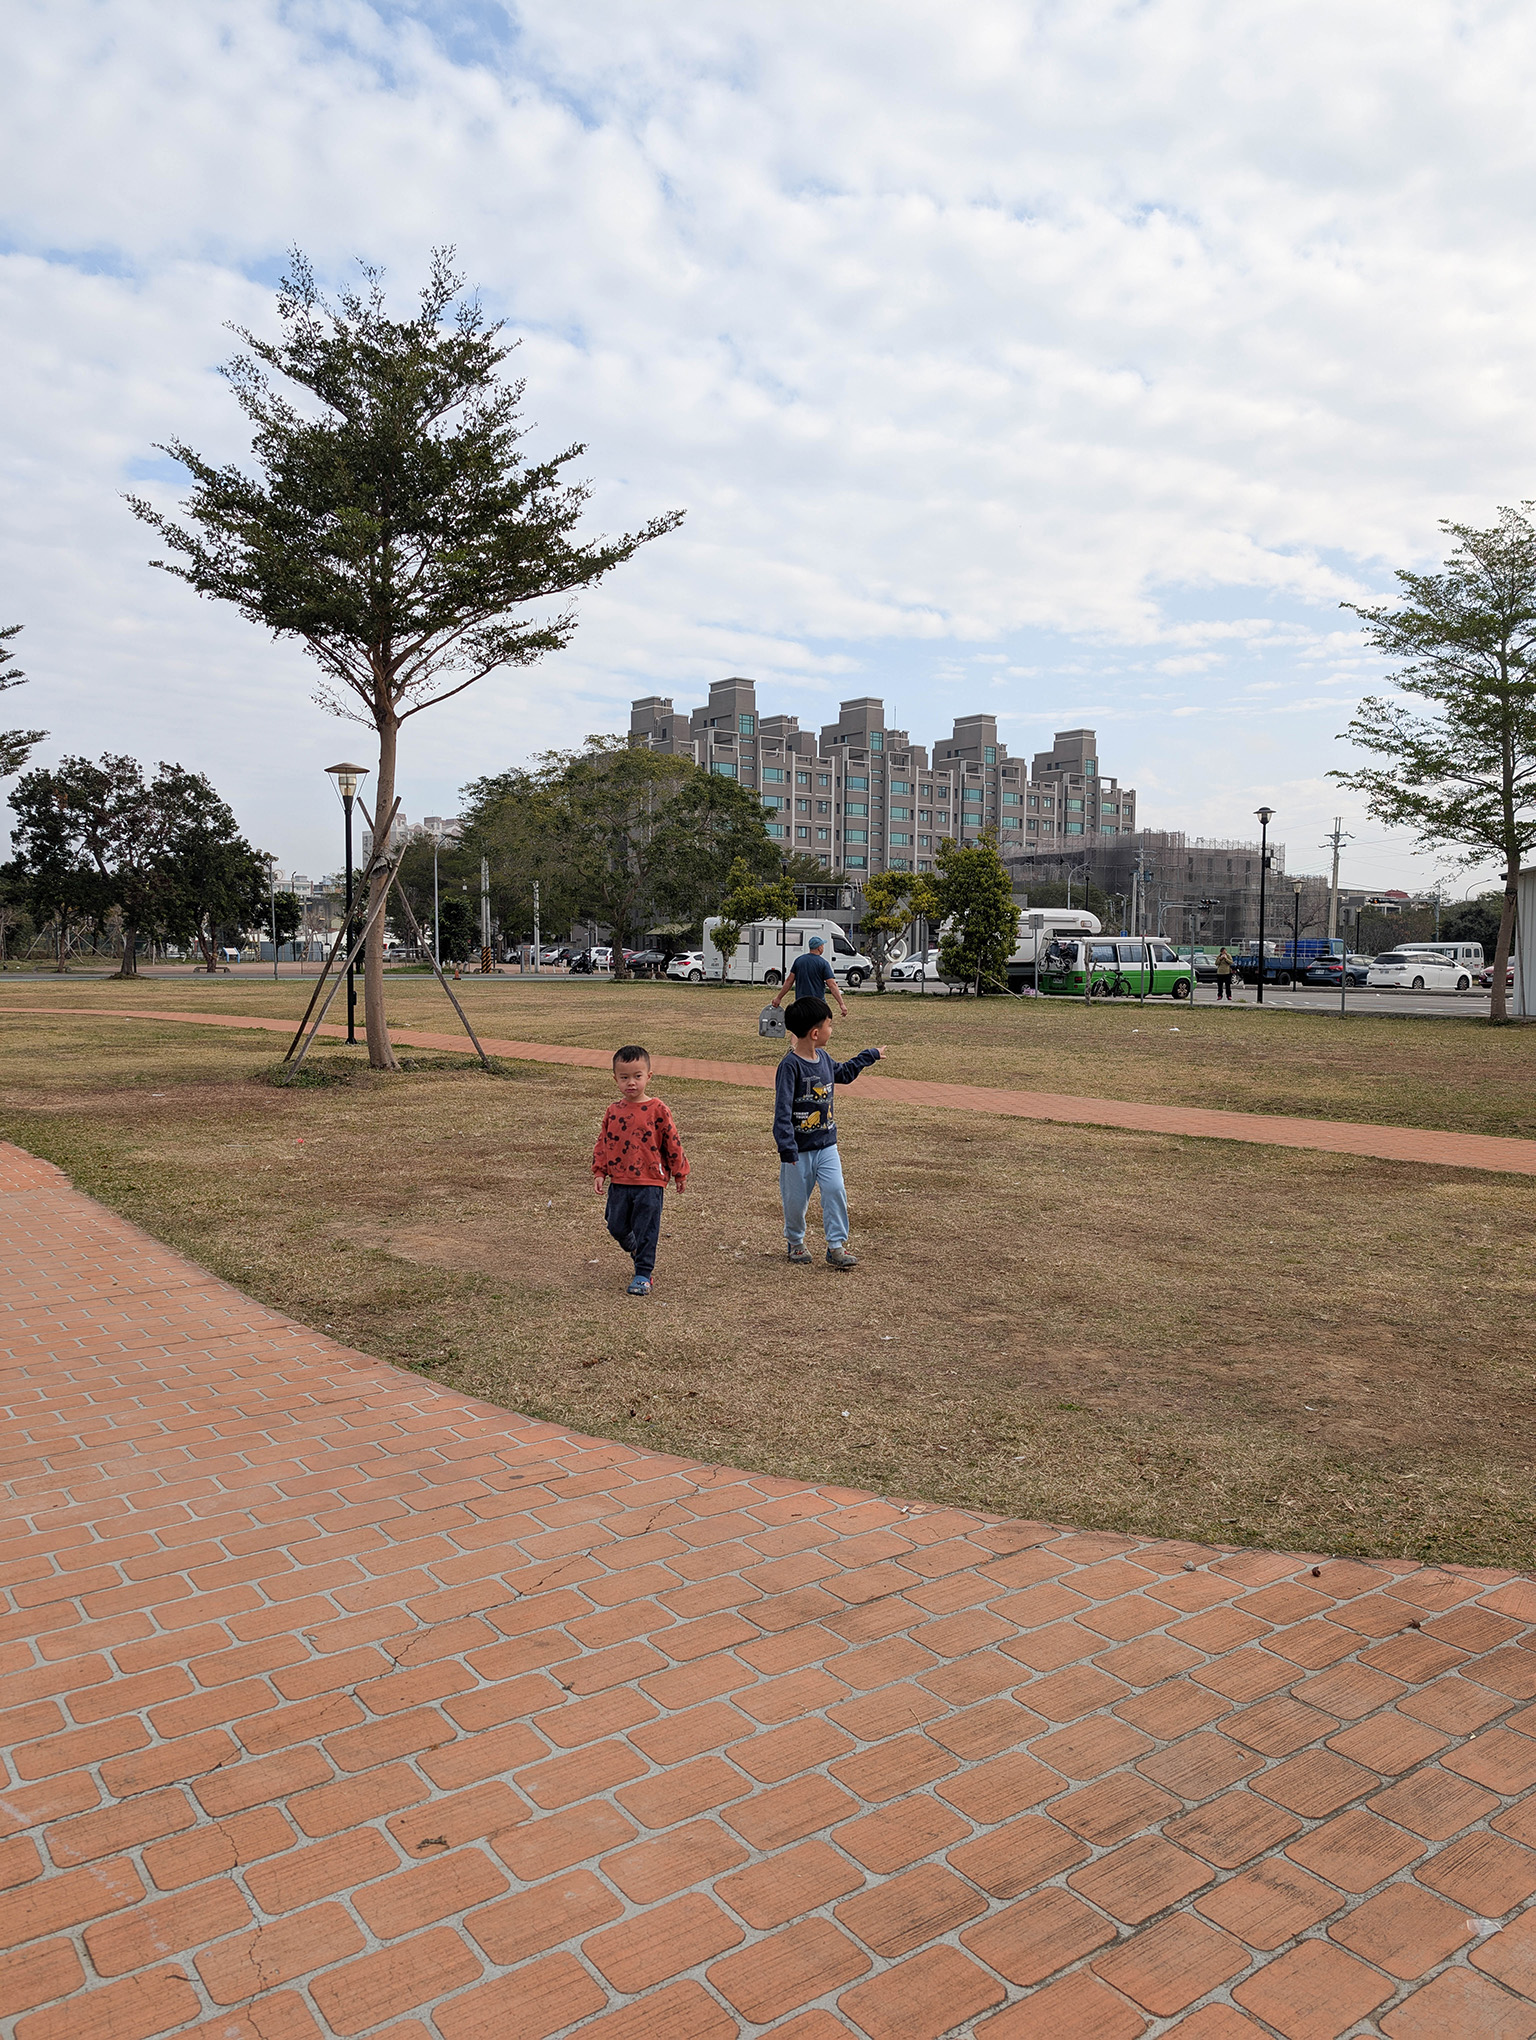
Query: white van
{"type": "Point", "coordinates": [1468, 955]}
{"type": "Point", "coordinates": [768, 948]}
{"type": "Point", "coordinates": [1053, 924]}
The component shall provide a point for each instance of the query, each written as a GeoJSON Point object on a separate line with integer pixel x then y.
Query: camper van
{"type": "Point", "coordinates": [768, 948]}
{"type": "Point", "coordinates": [1054, 923]}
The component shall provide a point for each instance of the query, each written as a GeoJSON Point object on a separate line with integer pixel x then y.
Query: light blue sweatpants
{"type": "Point", "coordinates": [821, 1169]}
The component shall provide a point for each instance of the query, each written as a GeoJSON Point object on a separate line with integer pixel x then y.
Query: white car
{"type": "Point", "coordinates": [689, 967]}
{"type": "Point", "coordinates": [1417, 970]}
{"type": "Point", "coordinates": [911, 968]}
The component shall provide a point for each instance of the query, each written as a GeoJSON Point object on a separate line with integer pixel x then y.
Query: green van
{"type": "Point", "coordinates": [1115, 967]}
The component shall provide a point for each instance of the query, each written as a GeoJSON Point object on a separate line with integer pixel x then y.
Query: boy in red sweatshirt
{"type": "Point", "coordinates": [637, 1150]}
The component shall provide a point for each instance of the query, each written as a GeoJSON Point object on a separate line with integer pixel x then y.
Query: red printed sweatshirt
{"type": "Point", "coordinates": [639, 1143]}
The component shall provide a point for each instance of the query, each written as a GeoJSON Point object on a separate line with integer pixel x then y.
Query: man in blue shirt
{"type": "Point", "coordinates": [811, 977]}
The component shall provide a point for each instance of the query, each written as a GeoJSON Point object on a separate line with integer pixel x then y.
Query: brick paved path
{"type": "Point", "coordinates": [337, 1703]}
{"type": "Point", "coordinates": [1262, 1129]}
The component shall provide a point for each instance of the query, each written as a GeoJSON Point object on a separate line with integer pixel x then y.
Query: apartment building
{"type": "Point", "coordinates": [861, 797]}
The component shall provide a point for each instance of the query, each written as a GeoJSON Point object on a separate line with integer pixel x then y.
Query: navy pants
{"type": "Point", "coordinates": [634, 1219]}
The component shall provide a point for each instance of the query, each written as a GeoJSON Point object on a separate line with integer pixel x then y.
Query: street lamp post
{"type": "Point", "coordinates": [437, 940]}
{"type": "Point", "coordinates": [1266, 816]}
{"type": "Point", "coordinates": [272, 908]}
{"type": "Point", "coordinates": [1296, 935]}
{"type": "Point", "coordinates": [348, 778]}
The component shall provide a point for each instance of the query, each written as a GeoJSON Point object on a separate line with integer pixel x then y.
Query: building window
{"type": "Point", "coordinates": [974, 800]}
{"type": "Point", "coordinates": [823, 779]}
{"type": "Point", "coordinates": [1031, 825]}
{"type": "Point", "coordinates": [927, 793]}
{"type": "Point", "coordinates": [899, 864]}
{"type": "Point", "coordinates": [1074, 828]}
{"type": "Point", "coordinates": [775, 828]}
{"type": "Point", "coordinates": [901, 786]}
{"type": "Point", "coordinates": [746, 724]}
{"type": "Point", "coordinates": [1109, 829]}
{"type": "Point", "coordinates": [802, 835]}
{"type": "Point", "coordinates": [772, 772]}
{"type": "Point", "coordinates": [1009, 799]}
{"type": "Point", "coordinates": [823, 835]}
{"type": "Point", "coordinates": [898, 838]}
{"type": "Point", "coordinates": [802, 807]}
{"type": "Point", "coordinates": [802, 779]}
{"type": "Point", "coordinates": [725, 771]}
{"type": "Point", "coordinates": [1034, 800]}
{"type": "Point", "coordinates": [901, 814]}
{"type": "Point", "coordinates": [1089, 765]}
{"type": "Point", "coordinates": [1074, 807]}
{"type": "Point", "coordinates": [924, 864]}
{"type": "Point", "coordinates": [771, 800]}
{"type": "Point", "coordinates": [858, 783]}
{"type": "Point", "coordinates": [1010, 821]}
{"type": "Point", "coordinates": [856, 835]}
{"type": "Point", "coordinates": [877, 740]}
{"type": "Point", "coordinates": [991, 754]}
{"type": "Point", "coordinates": [823, 807]}
{"type": "Point", "coordinates": [856, 807]}
{"type": "Point", "coordinates": [857, 863]}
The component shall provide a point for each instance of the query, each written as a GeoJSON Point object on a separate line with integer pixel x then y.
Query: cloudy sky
{"type": "Point", "coordinates": [1073, 362]}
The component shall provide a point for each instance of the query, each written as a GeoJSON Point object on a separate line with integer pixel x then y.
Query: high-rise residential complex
{"type": "Point", "coordinates": [862, 798]}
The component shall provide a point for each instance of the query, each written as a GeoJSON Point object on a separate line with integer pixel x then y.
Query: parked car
{"type": "Point", "coordinates": [1417, 970]}
{"type": "Point", "coordinates": [1485, 977]}
{"type": "Point", "coordinates": [646, 962]}
{"type": "Point", "coordinates": [689, 966]}
{"type": "Point", "coordinates": [913, 967]}
{"type": "Point", "coordinates": [548, 957]}
{"type": "Point", "coordinates": [1328, 970]}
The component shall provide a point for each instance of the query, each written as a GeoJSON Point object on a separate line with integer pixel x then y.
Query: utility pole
{"type": "Point", "coordinates": [485, 917]}
{"type": "Point", "coordinates": [1336, 842]}
{"type": "Point", "coordinates": [535, 927]}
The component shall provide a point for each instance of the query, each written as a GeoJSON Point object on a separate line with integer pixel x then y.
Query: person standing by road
{"type": "Point", "coordinates": [811, 977]}
{"type": "Point", "coordinates": [1224, 974]}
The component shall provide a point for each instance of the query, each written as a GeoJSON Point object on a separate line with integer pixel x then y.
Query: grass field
{"type": "Point", "coordinates": [1125, 1331]}
{"type": "Point", "coordinates": [1459, 1074]}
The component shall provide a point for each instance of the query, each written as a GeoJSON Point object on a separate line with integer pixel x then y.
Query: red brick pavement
{"type": "Point", "coordinates": [337, 1703]}
{"type": "Point", "coordinates": [1263, 1129]}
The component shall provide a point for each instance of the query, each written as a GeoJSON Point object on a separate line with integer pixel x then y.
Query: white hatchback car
{"type": "Point", "coordinates": [1417, 970]}
{"type": "Point", "coordinates": [914, 966]}
{"type": "Point", "coordinates": [690, 967]}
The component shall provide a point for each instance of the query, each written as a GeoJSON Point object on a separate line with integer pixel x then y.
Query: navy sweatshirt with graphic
{"type": "Point", "coordinates": [802, 1104]}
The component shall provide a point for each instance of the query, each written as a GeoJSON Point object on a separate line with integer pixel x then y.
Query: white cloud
{"type": "Point", "coordinates": [1106, 348]}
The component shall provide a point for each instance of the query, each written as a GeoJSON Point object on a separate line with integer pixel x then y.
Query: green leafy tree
{"type": "Point", "coordinates": [214, 882]}
{"type": "Point", "coordinates": [710, 825]}
{"type": "Point", "coordinates": [394, 527]}
{"type": "Point", "coordinates": [513, 821]}
{"type": "Point", "coordinates": [886, 913]}
{"type": "Point", "coordinates": [281, 917]}
{"type": "Point", "coordinates": [1463, 776]}
{"type": "Point", "coordinates": [459, 927]}
{"type": "Point", "coordinates": [15, 921]}
{"type": "Point", "coordinates": [55, 813]}
{"type": "Point", "coordinates": [969, 898]}
{"type": "Point", "coordinates": [608, 806]}
{"type": "Point", "coordinates": [1475, 921]}
{"type": "Point", "coordinates": [16, 746]}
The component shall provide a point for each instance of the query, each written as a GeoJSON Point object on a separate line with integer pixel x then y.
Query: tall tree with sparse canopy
{"type": "Point", "coordinates": [393, 526]}
{"type": "Point", "coordinates": [16, 746]}
{"type": "Point", "coordinates": [1463, 776]}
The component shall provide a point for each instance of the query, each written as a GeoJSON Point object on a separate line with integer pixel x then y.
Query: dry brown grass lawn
{"type": "Point", "coordinates": [1116, 1330]}
{"type": "Point", "coordinates": [1456, 1073]}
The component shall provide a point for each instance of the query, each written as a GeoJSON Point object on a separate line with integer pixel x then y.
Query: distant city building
{"type": "Point", "coordinates": [862, 798]}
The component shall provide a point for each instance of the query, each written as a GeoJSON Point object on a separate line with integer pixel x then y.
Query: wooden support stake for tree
{"type": "Point", "coordinates": [375, 859]}
{"type": "Point", "coordinates": [394, 880]}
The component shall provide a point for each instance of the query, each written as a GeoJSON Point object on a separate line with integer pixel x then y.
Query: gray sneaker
{"type": "Point", "coordinates": [798, 1255]}
{"type": "Point", "coordinates": [839, 1257]}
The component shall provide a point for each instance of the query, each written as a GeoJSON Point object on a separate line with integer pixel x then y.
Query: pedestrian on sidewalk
{"type": "Point", "coordinates": [805, 1132]}
{"type": "Point", "coordinates": [638, 1149]}
{"type": "Point", "coordinates": [811, 977]}
{"type": "Point", "coordinates": [1224, 969]}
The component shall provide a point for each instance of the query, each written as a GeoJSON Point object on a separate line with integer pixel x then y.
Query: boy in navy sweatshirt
{"type": "Point", "coordinates": [805, 1132]}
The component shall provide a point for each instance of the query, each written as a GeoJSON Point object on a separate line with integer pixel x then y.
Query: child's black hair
{"type": "Point", "coordinates": [633, 1054]}
{"type": "Point", "coordinates": [802, 1015]}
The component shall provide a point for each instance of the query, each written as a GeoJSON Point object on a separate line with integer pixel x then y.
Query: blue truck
{"type": "Point", "coordinates": [1284, 962]}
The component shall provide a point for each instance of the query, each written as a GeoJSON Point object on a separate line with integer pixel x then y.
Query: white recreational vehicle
{"type": "Point", "coordinates": [1038, 928]}
{"type": "Point", "coordinates": [768, 948]}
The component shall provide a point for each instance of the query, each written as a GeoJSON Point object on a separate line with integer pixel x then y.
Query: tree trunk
{"type": "Point", "coordinates": [381, 1055]}
{"type": "Point", "coordinates": [1498, 1005]}
{"type": "Point", "coordinates": [130, 967]}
